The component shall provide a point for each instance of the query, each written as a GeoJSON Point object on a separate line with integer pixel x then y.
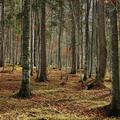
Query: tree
{"type": "Point", "coordinates": [25, 85]}
{"type": "Point", "coordinates": [73, 36]}
{"type": "Point", "coordinates": [88, 5]}
{"type": "Point", "coordinates": [60, 33]}
{"type": "Point", "coordinates": [92, 40]}
{"type": "Point", "coordinates": [102, 52]}
{"type": "Point", "coordinates": [115, 104]}
{"type": "Point", "coordinates": [78, 32]}
{"type": "Point", "coordinates": [43, 74]}
{"type": "Point", "coordinates": [2, 36]}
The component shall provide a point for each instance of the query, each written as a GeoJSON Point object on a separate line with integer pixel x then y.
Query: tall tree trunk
{"type": "Point", "coordinates": [73, 36]}
{"type": "Point", "coordinates": [73, 44]}
{"type": "Point", "coordinates": [92, 40]}
{"type": "Point", "coordinates": [43, 74]}
{"type": "Point", "coordinates": [115, 105]}
{"type": "Point", "coordinates": [78, 33]}
{"type": "Point", "coordinates": [60, 34]}
{"type": "Point", "coordinates": [13, 49]}
{"type": "Point", "coordinates": [102, 54]}
{"type": "Point", "coordinates": [32, 40]}
{"type": "Point", "coordinates": [86, 39]}
{"type": "Point", "coordinates": [25, 85]}
{"type": "Point", "coordinates": [81, 34]}
{"type": "Point", "coordinates": [2, 37]}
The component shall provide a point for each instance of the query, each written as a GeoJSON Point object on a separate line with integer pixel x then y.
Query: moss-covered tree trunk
{"type": "Point", "coordinates": [25, 85]}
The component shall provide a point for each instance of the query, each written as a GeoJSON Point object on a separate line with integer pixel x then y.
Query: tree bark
{"type": "Point", "coordinates": [25, 85]}
{"type": "Point", "coordinates": [86, 40]}
{"type": "Point", "coordinates": [43, 74]}
{"type": "Point", "coordinates": [115, 105]}
{"type": "Point", "coordinates": [2, 37]}
{"type": "Point", "coordinates": [102, 53]}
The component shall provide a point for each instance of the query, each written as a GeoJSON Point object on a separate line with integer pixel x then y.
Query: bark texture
{"type": "Point", "coordinates": [25, 86]}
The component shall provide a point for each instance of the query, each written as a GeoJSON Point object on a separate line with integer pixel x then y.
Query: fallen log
{"type": "Point", "coordinates": [94, 84]}
{"type": "Point", "coordinates": [90, 83]}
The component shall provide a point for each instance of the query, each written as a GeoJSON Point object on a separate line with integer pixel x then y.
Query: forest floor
{"type": "Point", "coordinates": [52, 100]}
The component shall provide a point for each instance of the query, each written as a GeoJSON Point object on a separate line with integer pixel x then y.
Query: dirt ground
{"type": "Point", "coordinates": [53, 100]}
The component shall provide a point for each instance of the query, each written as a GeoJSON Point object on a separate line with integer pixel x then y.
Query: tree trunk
{"type": "Point", "coordinates": [115, 105]}
{"type": "Point", "coordinates": [43, 74]}
{"type": "Point", "coordinates": [86, 40]}
{"type": "Point", "coordinates": [73, 37]}
{"type": "Point", "coordinates": [32, 40]}
{"type": "Point", "coordinates": [2, 37]}
{"type": "Point", "coordinates": [60, 34]}
{"type": "Point", "coordinates": [92, 40]}
{"type": "Point", "coordinates": [73, 44]}
{"type": "Point", "coordinates": [81, 34]}
{"type": "Point", "coordinates": [78, 33]}
{"type": "Point", "coordinates": [25, 85]}
{"type": "Point", "coordinates": [102, 53]}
